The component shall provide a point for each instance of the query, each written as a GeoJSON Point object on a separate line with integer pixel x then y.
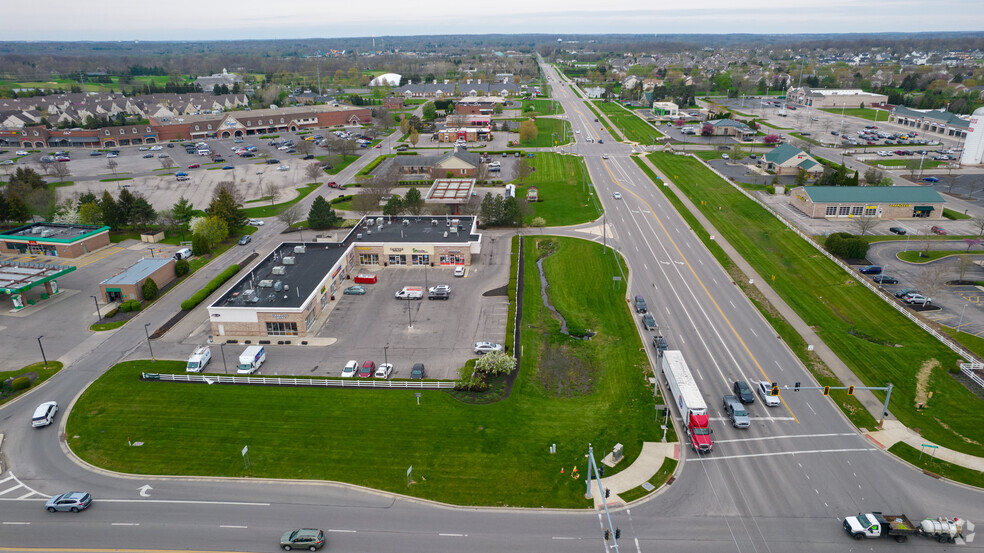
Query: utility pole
{"type": "Point", "coordinates": [82, 81]}
{"type": "Point", "coordinates": [319, 77]}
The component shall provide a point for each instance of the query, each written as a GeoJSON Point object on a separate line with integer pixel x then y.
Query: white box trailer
{"type": "Point", "coordinates": [688, 400]}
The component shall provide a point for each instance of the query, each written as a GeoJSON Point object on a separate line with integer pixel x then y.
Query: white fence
{"type": "Point", "coordinates": [310, 382]}
{"type": "Point", "coordinates": [957, 348]}
{"type": "Point", "coordinates": [969, 368]}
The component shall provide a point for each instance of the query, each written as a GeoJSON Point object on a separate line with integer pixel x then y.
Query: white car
{"type": "Point", "coordinates": [144, 148]}
{"type": "Point", "coordinates": [617, 195]}
{"type": "Point", "coordinates": [7, 162]}
{"type": "Point", "coordinates": [604, 156]}
{"type": "Point", "coordinates": [350, 369]}
{"type": "Point", "coordinates": [725, 156]}
{"type": "Point", "coordinates": [440, 288]}
{"type": "Point", "coordinates": [111, 154]}
{"type": "Point", "coordinates": [578, 131]}
{"type": "Point", "coordinates": [155, 148]}
{"type": "Point", "coordinates": [459, 271]}
{"type": "Point", "coordinates": [764, 390]}
{"type": "Point", "coordinates": [486, 347]}
{"type": "Point", "coordinates": [256, 222]}
{"type": "Point", "coordinates": [283, 168]}
{"type": "Point", "coordinates": [21, 152]}
{"type": "Point", "coordinates": [384, 371]}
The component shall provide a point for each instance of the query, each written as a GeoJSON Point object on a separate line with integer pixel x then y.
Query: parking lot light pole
{"type": "Point", "coordinates": [42, 351]}
{"type": "Point", "coordinates": [147, 333]}
{"type": "Point", "coordinates": [224, 366]}
{"type": "Point", "coordinates": [386, 359]}
{"type": "Point", "coordinates": [98, 314]}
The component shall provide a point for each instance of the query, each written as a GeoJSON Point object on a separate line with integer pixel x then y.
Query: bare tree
{"type": "Point", "coordinates": [932, 279]}
{"type": "Point", "coordinates": [472, 206]}
{"type": "Point", "coordinates": [383, 120]}
{"type": "Point", "coordinates": [965, 264]}
{"type": "Point", "coordinates": [304, 147]}
{"type": "Point", "coordinates": [167, 162]}
{"type": "Point", "coordinates": [272, 191]}
{"type": "Point", "coordinates": [864, 224]}
{"type": "Point", "coordinates": [291, 215]}
{"type": "Point", "coordinates": [313, 171]}
{"type": "Point", "coordinates": [384, 179]}
{"type": "Point", "coordinates": [112, 165]}
{"type": "Point", "coordinates": [61, 170]}
{"type": "Point", "coordinates": [45, 164]}
{"type": "Point", "coordinates": [978, 222]}
{"type": "Point", "coordinates": [482, 172]}
{"type": "Point", "coordinates": [365, 203]}
{"type": "Point", "coordinates": [347, 147]}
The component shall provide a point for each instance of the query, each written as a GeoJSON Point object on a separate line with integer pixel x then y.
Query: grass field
{"type": "Point", "coordinates": [633, 128]}
{"type": "Point", "coordinates": [936, 466]}
{"type": "Point", "coordinates": [547, 130]}
{"type": "Point", "coordinates": [863, 113]}
{"type": "Point", "coordinates": [878, 343]}
{"type": "Point", "coordinates": [912, 256]}
{"type": "Point", "coordinates": [905, 163]}
{"type": "Point", "coordinates": [541, 107]}
{"type": "Point", "coordinates": [44, 373]}
{"type": "Point", "coordinates": [460, 453]}
{"type": "Point", "coordinates": [271, 210]}
{"type": "Point", "coordinates": [337, 168]}
{"type": "Point", "coordinates": [564, 188]}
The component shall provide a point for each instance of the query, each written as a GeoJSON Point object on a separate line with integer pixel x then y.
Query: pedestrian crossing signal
{"type": "Point", "coordinates": [826, 390]}
{"type": "Point", "coordinates": [850, 390]}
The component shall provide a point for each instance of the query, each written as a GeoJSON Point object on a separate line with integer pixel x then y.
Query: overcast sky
{"type": "Point", "coordinates": [265, 19]}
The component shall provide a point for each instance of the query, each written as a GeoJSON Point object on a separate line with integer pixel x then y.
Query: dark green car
{"type": "Point", "coordinates": [311, 539]}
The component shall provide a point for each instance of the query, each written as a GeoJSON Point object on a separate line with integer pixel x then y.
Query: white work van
{"type": "Point", "coordinates": [410, 293]}
{"type": "Point", "coordinates": [251, 359]}
{"type": "Point", "coordinates": [199, 359]}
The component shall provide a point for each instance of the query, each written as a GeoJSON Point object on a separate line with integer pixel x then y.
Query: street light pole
{"type": "Point", "coordinates": [147, 333]}
{"type": "Point", "coordinates": [385, 358]}
{"type": "Point", "coordinates": [42, 351]}
{"type": "Point", "coordinates": [98, 314]}
{"type": "Point", "coordinates": [224, 366]}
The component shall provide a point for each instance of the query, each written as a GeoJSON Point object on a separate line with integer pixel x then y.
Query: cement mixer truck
{"type": "Point", "coordinates": [876, 525]}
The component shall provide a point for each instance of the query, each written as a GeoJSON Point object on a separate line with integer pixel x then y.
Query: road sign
{"type": "Point", "coordinates": [932, 446]}
{"type": "Point", "coordinates": [245, 449]}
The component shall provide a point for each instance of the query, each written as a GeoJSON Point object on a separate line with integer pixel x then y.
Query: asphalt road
{"type": "Point", "coordinates": [782, 485]}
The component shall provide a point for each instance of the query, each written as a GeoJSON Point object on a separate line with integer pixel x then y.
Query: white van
{"type": "Point", "coordinates": [44, 414]}
{"type": "Point", "coordinates": [183, 253]}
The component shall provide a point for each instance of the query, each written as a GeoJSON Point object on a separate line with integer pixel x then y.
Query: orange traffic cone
{"type": "Point", "coordinates": [562, 470]}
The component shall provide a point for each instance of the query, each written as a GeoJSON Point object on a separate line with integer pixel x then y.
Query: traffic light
{"type": "Point", "coordinates": [775, 389]}
{"type": "Point", "coordinates": [797, 387]}
{"type": "Point", "coordinates": [826, 390]}
{"type": "Point", "coordinates": [608, 535]}
{"type": "Point", "coordinates": [850, 390]}
{"type": "Point", "coordinates": [601, 470]}
{"type": "Point", "coordinates": [608, 493]}
{"type": "Point", "coordinates": [618, 533]}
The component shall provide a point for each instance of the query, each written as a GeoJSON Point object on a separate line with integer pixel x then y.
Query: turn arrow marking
{"type": "Point", "coordinates": [144, 489]}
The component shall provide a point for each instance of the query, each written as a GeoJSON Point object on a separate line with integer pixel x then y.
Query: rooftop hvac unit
{"type": "Point", "coordinates": [278, 286]}
{"type": "Point", "coordinates": [368, 231]}
{"type": "Point", "coordinates": [300, 249]}
{"type": "Point", "coordinates": [389, 220]}
{"type": "Point", "coordinates": [280, 270]}
{"type": "Point", "coordinates": [46, 233]}
{"type": "Point", "coordinates": [380, 227]}
{"type": "Point", "coordinates": [406, 223]}
{"type": "Point", "coordinates": [445, 234]}
{"type": "Point", "coordinates": [371, 221]}
{"type": "Point", "coordinates": [265, 284]}
{"type": "Point", "coordinates": [358, 236]}
{"type": "Point", "coordinates": [36, 230]}
{"type": "Point", "coordinates": [454, 222]}
{"type": "Point", "coordinates": [289, 260]}
{"type": "Point", "coordinates": [433, 222]}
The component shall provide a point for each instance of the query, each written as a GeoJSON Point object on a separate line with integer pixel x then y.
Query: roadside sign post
{"type": "Point", "coordinates": [409, 470]}
{"type": "Point", "coordinates": [245, 456]}
{"type": "Point", "coordinates": [930, 446]}
{"type": "Point", "coordinates": [418, 397]}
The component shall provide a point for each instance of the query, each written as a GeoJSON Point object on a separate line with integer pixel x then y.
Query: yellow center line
{"type": "Point", "coordinates": [701, 282]}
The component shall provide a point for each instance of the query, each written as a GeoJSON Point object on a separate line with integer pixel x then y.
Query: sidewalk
{"type": "Point", "coordinates": [638, 473]}
{"type": "Point", "coordinates": [894, 432]}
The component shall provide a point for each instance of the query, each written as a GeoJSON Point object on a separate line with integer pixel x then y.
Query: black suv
{"type": "Point", "coordinates": [744, 392]}
{"type": "Point", "coordinates": [870, 270]}
{"type": "Point", "coordinates": [417, 372]}
{"type": "Point", "coordinates": [897, 230]}
{"type": "Point", "coordinates": [640, 305]}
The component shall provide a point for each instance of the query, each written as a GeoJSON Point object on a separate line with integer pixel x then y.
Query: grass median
{"type": "Point", "coordinates": [879, 344]}
{"type": "Point", "coordinates": [566, 194]}
{"type": "Point", "coordinates": [633, 128]}
{"type": "Point", "coordinates": [568, 392]}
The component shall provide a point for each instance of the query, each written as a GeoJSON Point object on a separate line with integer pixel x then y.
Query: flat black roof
{"type": "Point", "coordinates": [431, 229]}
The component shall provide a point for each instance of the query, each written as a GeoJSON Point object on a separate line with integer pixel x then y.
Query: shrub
{"type": "Point", "coordinates": [21, 383]}
{"type": "Point", "coordinates": [149, 289]}
{"type": "Point", "coordinates": [200, 296]}
{"type": "Point", "coordinates": [124, 307]}
{"type": "Point", "coordinates": [112, 313]}
{"type": "Point", "coordinates": [771, 190]}
{"type": "Point", "coordinates": [181, 267]}
{"type": "Point", "coordinates": [846, 245]}
{"type": "Point", "coordinates": [341, 199]}
{"type": "Point", "coordinates": [130, 305]}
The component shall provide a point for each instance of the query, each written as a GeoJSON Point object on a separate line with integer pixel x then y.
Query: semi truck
{"type": "Point", "coordinates": [688, 400]}
{"type": "Point", "coordinates": [899, 527]}
{"type": "Point", "coordinates": [251, 359]}
{"type": "Point", "coordinates": [199, 358]}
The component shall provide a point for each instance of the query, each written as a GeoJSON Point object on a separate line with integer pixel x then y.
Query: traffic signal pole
{"type": "Point", "coordinates": [850, 391]}
{"type": "Point", "coordinates": [612, 532]}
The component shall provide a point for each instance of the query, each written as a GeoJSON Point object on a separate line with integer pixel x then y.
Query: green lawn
{"type": "Point", "coordinates": [547, 130]}
{"type": "Point", "coordinates": [633, 128]}
{"type": "Point", "coordinates": [905, 163]}
{"type": "Point", "coordinates": [657, 480]}
{"type": "Point", "coordinates": [945, 469]}
{"type": "Point", "coordinates": [585, 391]}
{"type": "Point", "coordinates": [99, 327]}
{"type": "Point", "coordinates": [539, 107]}
{"type": "Point", "coordinates": [564, 188]}
{"type": "Point", "coordinates": [912, 256]}
{"type": "Point", "coordinates": [337, 168]}
{"type": "Point", "coordinates": [863, 113]}
{"type": "Point", "coordinates": [44, 373]}
{"type": "Point", "coordinates": [877, 342]}
{"type": "Point", "coordinates": [271, 210]}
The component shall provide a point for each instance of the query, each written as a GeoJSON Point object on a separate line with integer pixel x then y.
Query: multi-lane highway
{"type": "Point", "coordinates": [779, 486]}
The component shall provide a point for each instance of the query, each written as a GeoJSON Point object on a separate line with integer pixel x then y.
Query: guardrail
{"type": "Point", "coordinates": [945, 340]}
{"type": "Point", "coordinates": [308, 382]}
{"type": "Point", "coordinates": [969, 368]}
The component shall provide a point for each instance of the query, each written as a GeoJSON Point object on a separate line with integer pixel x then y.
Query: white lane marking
{"type": "Point", "coordinates": [453, 535]}
{"type": "Point", "coordinates": [786, 436]}
{"type": "Point", "coordinates": [125, 524]}
{"type": "Point", "coordinates": [639, 549]}
{"type": "Point", "coordinates": [563, 538]}
{"type": "Point", "coordinates": [732, 304]}
{"type": "Point", "coordinates": [811, 407]}
{"type": "Point", "coordinates": [778, 453]}
{"type": "Point", "coordinates": [231, 526]}
{"type": "Point", "coordinates": [5, 522]}
{"type": "Point", "coordinates": [12, 489]}
{"type": "Point", "coordinates": [752, 419]}
{"type": "Point", "coordinates": [11, 477]}
{"type": "Point", "coordinates": [753, 331]}
{"type": "Point", "coordinates": [28, 494]}
{"type": "Point", "coordinates": [342, 531]}
{"type": "Point", "coordinates": [184, 502]}
{"type": "Point", "coordinates": [698, 373]}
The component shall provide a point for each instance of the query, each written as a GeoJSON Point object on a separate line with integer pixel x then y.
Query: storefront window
{"type": "Point", "coordinates": [420, 259]}
{"type": "Point", "coordinates": [452, 259]}
{"type": "Point", "coordinates": [368, 259]}
{"type": "Point", "coordinates": [281, 329]}
{"type": "Point", "coordinates": [831, 210]}
{"type": "Point", "coordinates": [398, 259]}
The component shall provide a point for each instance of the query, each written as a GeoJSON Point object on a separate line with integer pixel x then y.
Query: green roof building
{"type": "Point", "coordinates": [786, 159]}
{"type": "Point", "coordinates": [881, 202]}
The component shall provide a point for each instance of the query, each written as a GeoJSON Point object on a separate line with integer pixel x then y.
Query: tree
{"type": "Point", "coordinates": [87, 197]}
{"type": "Point", "coordinates": [304, 147]}
{"type": "Point", "coordinates": [112, 165]}
{"type": "Point", "coordinates": [17, 210]}
{"type": "Point", "coordinates": [738, 152]}
{"type": "Point", "coordinates": [382, 118]}
{"type": "Point", "coordinates": [978, 222]}
{"type": "Point", "coordinates": [496, 362]}
{"type": "Point", "coordinates": [227, 205]}
{"type": "Point", "coordinates": [393, 206]}
{"type": "Point", "coordinates": [272, 191]}
{"type": "Point", "coordinates": [25, 178]}
{"type": "Point", "coordinates": [972, 242]}
{"type": "Point", "coordinates": [707, 129]}
{"type": "Point", "coordinates": [528, 131]}
{"type": "Point", "coordinates": [771, 139]}
{"type": "Point", "coordinates": [404, 124]}
{"type": "Point", "coordinates": [525, 169]}
{"type": "Point", "coordinates": [801, 177]}
{"type": "Point", "coordinates": [142, 213]}
{"type": "Point", "coordinates": [872, 176]}
{"type": "Point", "coordinates": [364, 203]}
{"type": "Point", "coordinates": [321, 215]}
{"type": "Point", "coordinates": [46, 163]}
{"type": "Point", "coordinates": [209, 232]}
{"type": "Point", "coordinates": [429, 111]}
{"type": "Point", "coordinates": [864, 224]}
{"type": "Point", "coordinates": [61, 170]}
{"type": "Point", "coordinates": [413, 203]}
{"type": "Point", "coordinates": [124, 205]}
{"type": "Point", "coordinates": [413, 138]}
{"type": "Point", "coordinates": [149, 289]}
{"type": "Point", "coordinates": [183, 211]}
{"type": "Point", "coordinates": [966, 263]}
{"type": "Point", "coordinates": [110, 211]}
{"type": "Point", "coordinates": [511, 215]}
{"type": "Point", "coordinates": [291, 215]}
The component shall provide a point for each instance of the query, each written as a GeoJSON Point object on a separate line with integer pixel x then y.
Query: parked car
{"type": "Point", "coordinates": [725, 156]}
{"type": "Point", "coordinates": [649, 321]}
{"type": "Point", "coordinates": [70, 501]}
{"type": "Point", "coordinates": [227, 167]}
{"type": "Point", "coordinates": [246, 239]}
{"type": "Point", "coordinates": [743, 391]}
{"type": "Point", "coordinates": [23, 152]}
{"type": "Point", "coordinates": [283, 168]}
{"type": "Point", "coordinates": [459, 271]}
{"type": "Point", "coordinates": [350, 369]}
{"type": "Point", "coordinates": [272, 161]}
{"type": "Point", "coordinates": [194, 166]}
{"type": "Point", "coordinates": [640, 305]}
{"type": "Point", "coordinates": [384, 370]}
{"type": "Point", "coordinates": [885, 279]}
{"type": "Point", "coordinates": [764, 390]}
{"type": "Point", "coordinates": [93, 153]}
{"type": "Point", "coordinates": [311, 539]}
{"type": "Point", "coordinates": [933, 179]}
{"type": "Point", "coordinates": [897, 230]}
{"type": "Point", "coordinates": [914, 297]}
{"type": "Point", "coordinates": [905, 291]}
{"type": "Point", "coordinates": [938, 230]}
{"type": "Point", "coordinates": [486, 347]}
{"type": "Point", "coordinates": [417, 372]}
{"type": "Point", "coordinates": [367, 370]}
{"type": "Point", "coordinates": [605, 156]}
{"type": "Point", "coordinates": [148, 156]}
{"type": "Point", "coordinates": [354, 291]}
{"type": "Point", "coordinates": [256, 222]}
{"type": "Point", "coordinates": [870, 270]}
